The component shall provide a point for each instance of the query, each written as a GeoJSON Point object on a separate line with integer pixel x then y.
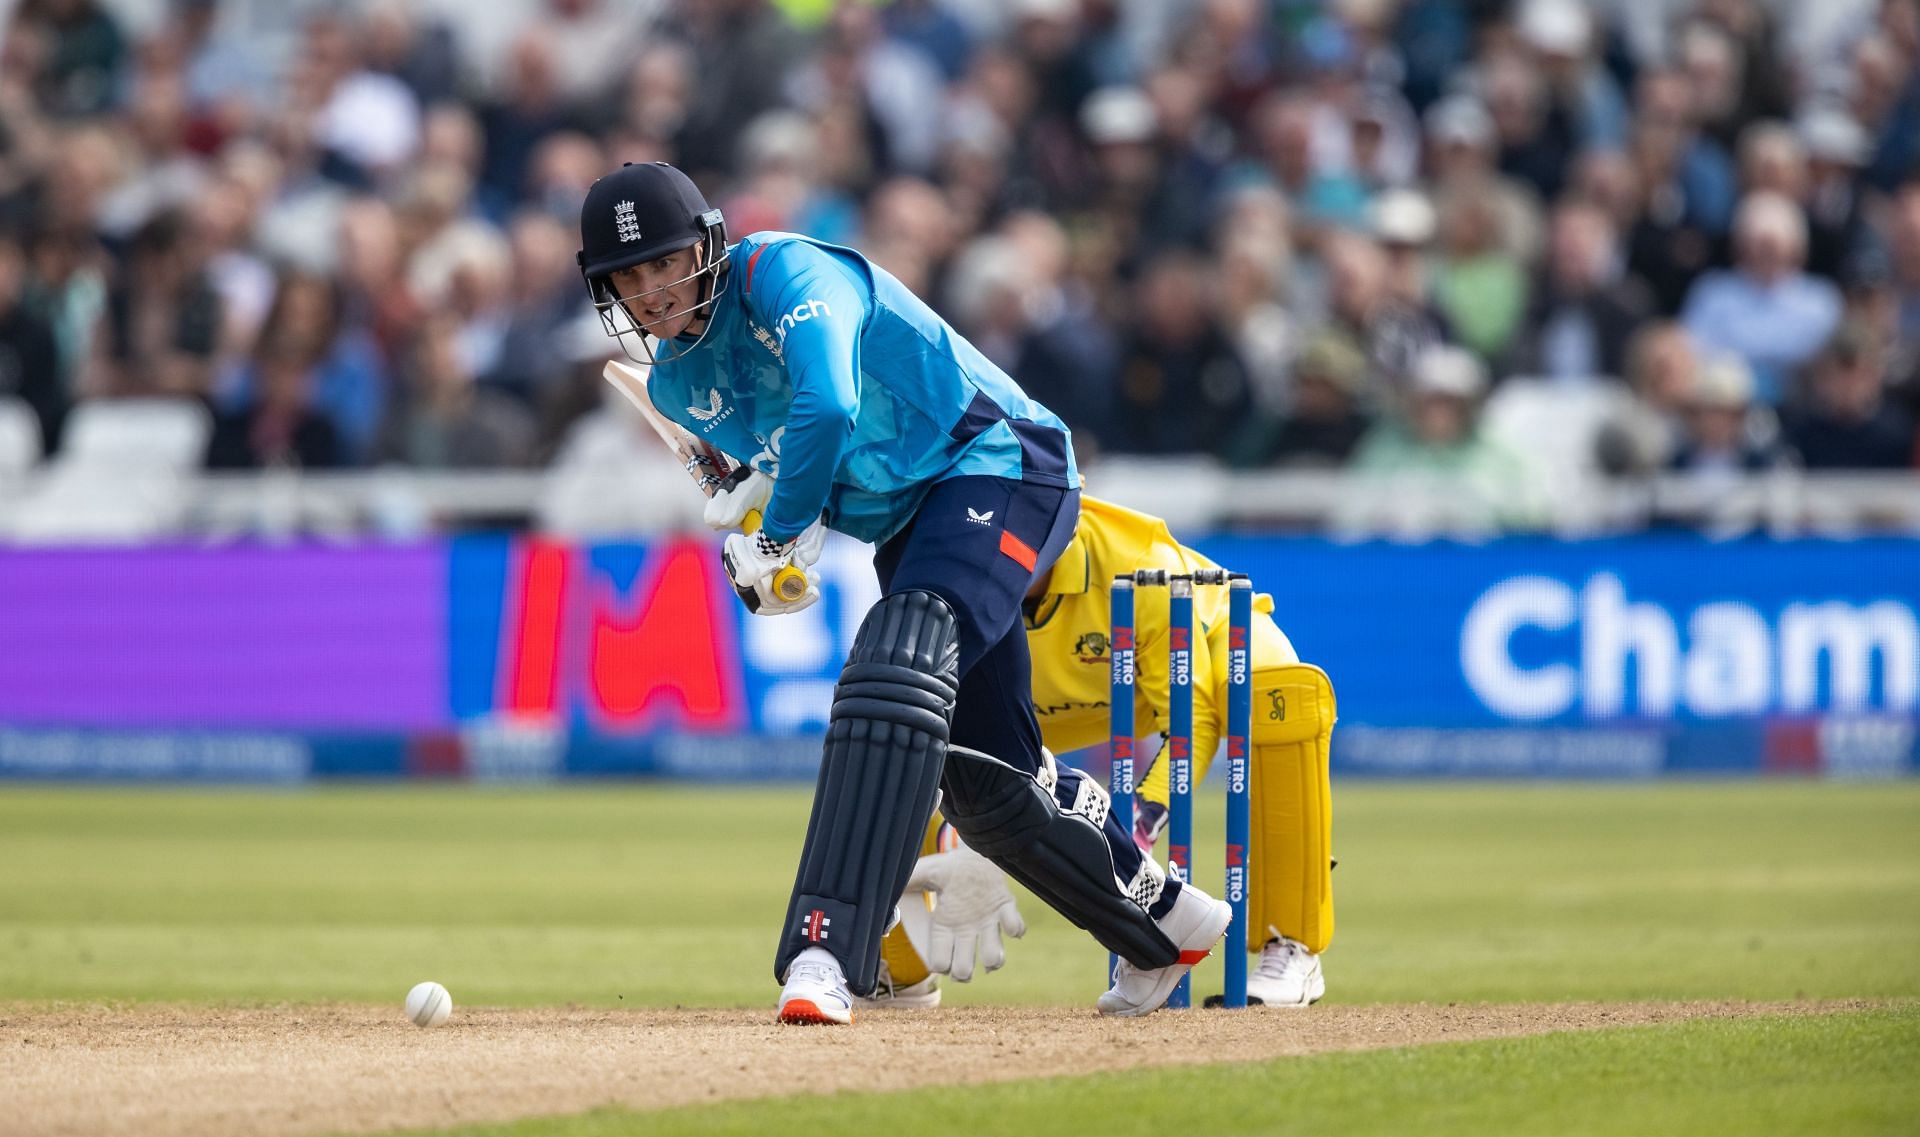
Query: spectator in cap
{"type": "Point", "coordinates": [1122, 126]}
{"type": "Point", "coordinates": [1758, 64]}
{"type": "Point", "coordinates": [342, 374]}
{"type": "Point", "coordinates": [1066, 356]}
{"type": "Point", "coordinates": [1537, 140]}
{"type": "Point", "coordinates": [1883, 95]}
{"type": "Point", "coordinates": [1608, 181]}
{"type": "Point", "coordinates": [84, 55]}
{"type": "Point", "coordinates": [1560, 34]}
{"type": "Point", "coordinates": [1845, 421]}
{"type": "Point", "coordinates": [742, 52]}
{"type": "Point", "coordinates": [1584, 306]}
{"type": "Point", "coordinates": [367, 123]}
{"type": "Point", "coordinates": [1195, 148]}
{"type": "Point", "coordinates": [1479, 287]}
{"type": "Point", "coordinates": [1766, 310]}
{"type": "Point", "coordinates": [162, 321]}
{"type": "Point", "coordinates": [1771, 158]}
{"type": "Point", "coordinates": [444, 419]}
{"type": "Point", "coordinates": [278, 423]}
{"type": "Point", "coordinates": [1873, 305]}
{"type": "Point", "coordinates": [1183, 388]}
{"type": "Point", "coordinates": [1642, 436]}
{"type": "Point", "coordinates": [1256, 279]}
{"type": "Point", "coordinates": [1837, 150]}
{"type": "Point", "coordinates": [1688, 175]}
{"type": "Point", "coordinates": [889, 84]}
{"type": "Point", "coordinates": [529, 110]}
{"type": "Point", "coordinates": [1325, 425]}
{"type": "Point", "coordinates": [1462, 151]}
{"type": "Point", "coordinates": [1403, 221]}
{"type": "Point", "coordinates": [1715, 73]}
{"type": "Point", "coordinates": [595, 38]}
{"type": "Point", "coordinates": [1325, 194]}
{"type": "Point", "coordinates": [1376, 299]}
{"type": "Point", "coordinates": [1385, 139]}
{"type": "Point", "coordinates": [1724, 434]}
{"type": "Point", "coordinates": [1436, 447]}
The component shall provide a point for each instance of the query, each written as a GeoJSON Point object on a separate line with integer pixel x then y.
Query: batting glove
{"type": "Point", "coordinates": [727, 509]}
{"type": "Point", "coordinates": [973, 908]}
{"type": "Point", "coordinates": [758, 563]}
{"type": "Point", "coordinates": [808, 545]}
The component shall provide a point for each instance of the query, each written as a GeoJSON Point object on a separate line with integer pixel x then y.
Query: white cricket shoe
{"type": "Point", "coordinates": [816, 991]}
{"type": "Point", "coordinates": [1195, 924]}
{"type": "Point", "coordinates": [1288, 976]}
{"type": "Point", "coordinates": [921, 996]}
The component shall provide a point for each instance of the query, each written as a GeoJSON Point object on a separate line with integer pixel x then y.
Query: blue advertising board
{"type": "Point", "coordinates": [1606, 657]}
{"type": "Point", "coordinates": [523, 657]}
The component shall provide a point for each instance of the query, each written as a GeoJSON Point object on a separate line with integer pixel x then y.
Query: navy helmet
{"type": "Point", "coordinates": [636, 214]}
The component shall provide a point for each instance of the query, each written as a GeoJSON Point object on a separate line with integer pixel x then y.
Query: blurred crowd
{"type": "Point", "coordinates": [1281, 233]}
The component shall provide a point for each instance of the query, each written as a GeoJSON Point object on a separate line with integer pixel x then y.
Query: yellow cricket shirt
{"type": "Point", "coordinates": [1068, 627]}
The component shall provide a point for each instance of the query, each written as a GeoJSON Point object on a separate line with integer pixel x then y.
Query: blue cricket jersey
{"type": "Point", "coordinates": [822, 370]}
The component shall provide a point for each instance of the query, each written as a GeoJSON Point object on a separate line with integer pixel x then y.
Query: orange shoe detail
{"type": "Point", "coordinates": [803, 1012]}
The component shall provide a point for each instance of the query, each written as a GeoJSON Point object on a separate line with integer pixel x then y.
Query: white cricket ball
{"type": "Point", "coordinates": [428, 1004]}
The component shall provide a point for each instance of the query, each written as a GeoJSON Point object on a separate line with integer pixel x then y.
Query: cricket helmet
{"type": "Point", "coordinates": [636, 214]}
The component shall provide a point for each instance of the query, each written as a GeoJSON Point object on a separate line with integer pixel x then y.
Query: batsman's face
{"type": "Point", "coordinates": [660, 295]}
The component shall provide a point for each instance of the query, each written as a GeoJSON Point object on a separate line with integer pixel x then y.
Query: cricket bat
{"type": "Point", "coordinates": [709, 468]}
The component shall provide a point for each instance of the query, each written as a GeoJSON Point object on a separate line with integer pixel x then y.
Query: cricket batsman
{"type": "Point", "coordinates": [872, 417]}
{"type": "Point", "coordinates": [1066, 618]}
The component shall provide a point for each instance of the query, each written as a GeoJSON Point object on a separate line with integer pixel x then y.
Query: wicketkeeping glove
{"type": "Point", "coordinates": [972, 908]}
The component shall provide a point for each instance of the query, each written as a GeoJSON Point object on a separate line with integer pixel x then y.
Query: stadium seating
{"type": "Point", "coordinates": [125, 472]}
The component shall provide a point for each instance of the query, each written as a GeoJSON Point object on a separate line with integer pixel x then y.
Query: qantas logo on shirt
{"type": "Point", "coordinates": [1045, 710]}
{"type": "Point", "coordinates": [802, 312]}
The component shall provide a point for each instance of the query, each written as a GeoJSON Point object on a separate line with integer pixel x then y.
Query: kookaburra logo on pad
{"type": "Point", "coordinates": [624, 221]}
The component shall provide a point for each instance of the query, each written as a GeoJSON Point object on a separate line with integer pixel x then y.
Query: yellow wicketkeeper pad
{"type": "Point", "coordinates": [1292, 889]}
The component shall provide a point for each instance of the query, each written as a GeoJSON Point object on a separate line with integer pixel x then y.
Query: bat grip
{"type": "Point", "coordinates": [789, 583]}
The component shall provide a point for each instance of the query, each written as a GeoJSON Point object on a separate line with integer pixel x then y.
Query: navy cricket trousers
{"type": "Point", "coordinates": [978, 543]}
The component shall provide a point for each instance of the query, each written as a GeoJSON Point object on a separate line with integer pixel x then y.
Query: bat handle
{"type": "Point", "coordinates": [789, 583]}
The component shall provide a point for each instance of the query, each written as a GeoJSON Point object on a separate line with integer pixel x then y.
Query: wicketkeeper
{"type": "Point", "coordinates": [1290, 909]}
{"type": "Point", "coordinates": [875, 418]}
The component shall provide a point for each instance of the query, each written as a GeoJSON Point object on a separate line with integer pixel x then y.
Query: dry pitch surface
{"type": "Point", "coordinates": [71, 1070]}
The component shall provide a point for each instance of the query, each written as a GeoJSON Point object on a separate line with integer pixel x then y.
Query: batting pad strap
{"type": "Point", "coordinates": [879, 774]}
{"type": "Point", "coordinates": [1090, 801]}
{"type": "Point", "coordinates": [1058, 853]}
{"type": "Point", "coordinates": [1147, 883]}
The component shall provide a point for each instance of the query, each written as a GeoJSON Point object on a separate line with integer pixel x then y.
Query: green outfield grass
{"type": "Point", "coordinates": [644, 895]}
{"type": "Point", "coordinates": [1848, 1074]}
